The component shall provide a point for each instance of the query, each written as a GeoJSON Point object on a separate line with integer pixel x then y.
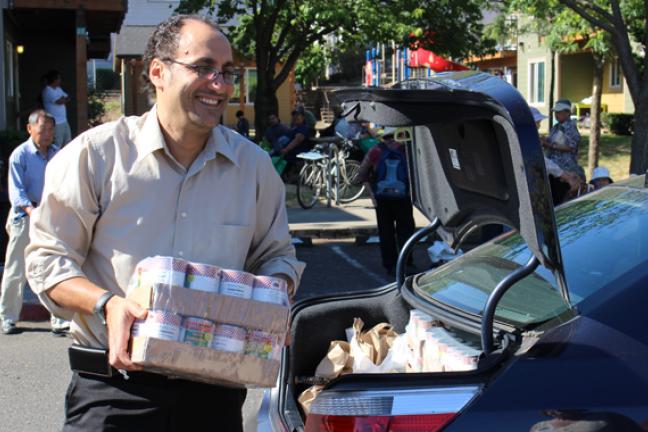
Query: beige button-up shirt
{"type": "Point", "coordinates": [115, 195]}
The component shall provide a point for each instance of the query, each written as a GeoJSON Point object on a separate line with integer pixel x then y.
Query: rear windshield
{"type": "Point", "coordinates": [602, 236]}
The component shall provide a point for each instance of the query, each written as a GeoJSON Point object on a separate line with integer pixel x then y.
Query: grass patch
{"type": "Point", "coordinates": [614, 154]}
{"type": "Point", "coordinates": [291, 196]}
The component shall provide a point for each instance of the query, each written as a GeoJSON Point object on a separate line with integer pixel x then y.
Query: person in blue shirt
{"type": "Point", "coordinates": [299, 138]}
{"type": "Point", "coordinates": [26, 180]}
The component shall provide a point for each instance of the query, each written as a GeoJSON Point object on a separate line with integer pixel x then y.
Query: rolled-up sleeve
{"type": "Point", "coordinates": [272, 251]}
{"type": "Point", "coordinates": [61, 227]}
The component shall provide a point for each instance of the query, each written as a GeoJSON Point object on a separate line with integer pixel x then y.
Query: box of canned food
{"type": "Point", "coordinates": [208, 324]}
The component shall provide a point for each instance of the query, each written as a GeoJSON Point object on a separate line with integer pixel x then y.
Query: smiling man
{"type": "Point", "coordinates": [172, 182]}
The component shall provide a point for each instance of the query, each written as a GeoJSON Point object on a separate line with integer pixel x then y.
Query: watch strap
{"type": "Point", "coordinates": [100, 307]}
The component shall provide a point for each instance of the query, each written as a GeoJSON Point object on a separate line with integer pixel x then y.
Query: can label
{"type": "Point", "coordinates": [197, 331]}
{"type": "Point", "coordinates": [236, 284]}
{"type": "Point", "coordinates": [159, 324]}
{"type": "Point", "coordinates": [229, 338]}
{"type": "Point", "coordinates": [202, 277]}
{"type": "Point", "coordinates": [263, 345]}
{"type": "Point", "coordinates": [270, 290]}
{"type": "Point", "coordinates": [163, 270]}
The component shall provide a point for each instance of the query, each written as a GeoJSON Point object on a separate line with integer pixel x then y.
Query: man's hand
{"type": "Point", "coordinates": [120, 315]}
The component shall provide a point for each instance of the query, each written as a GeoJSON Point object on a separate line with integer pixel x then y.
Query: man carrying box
{"type": "Point", "coordinates": [172, 182]}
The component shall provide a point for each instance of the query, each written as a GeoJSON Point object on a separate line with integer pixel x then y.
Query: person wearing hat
{"type": "Point", "coordinates": [600, 178]}
{"type": "Point", "coordinates": [561, 181]}
{"type": "Point", "coordinates": [390, 192]}
{"type": "Point", "coordinates": [298, 138]}
{"type": "Point", "coordinates": [562, 143]}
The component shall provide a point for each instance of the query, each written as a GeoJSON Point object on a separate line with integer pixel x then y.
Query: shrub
{"type": "Point", "coordinates": [96, 107]}
{"type": "Point", "coordinates": [618, 123]}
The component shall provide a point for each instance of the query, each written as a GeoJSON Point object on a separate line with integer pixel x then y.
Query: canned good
{"type": "Point", "coordinates": [263, 345]}
{"type": "Point", "coordinates": [197, 331]}
{"type": "Point", "coordinates": [163, 270]}
{"type": "Point", "coordinates": [236, 283]}
{"type": "Point", "coordinates": [229, 338]}
{"type": "Point", "coordinates": [270, 290]}
{"type": "Point", "coordinates": [202, 277]}
{"type": "Point", "coordinates": [159, 324]}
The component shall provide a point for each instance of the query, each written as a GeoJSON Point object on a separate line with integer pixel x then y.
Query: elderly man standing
{"type": "Point", "coordinates": [26, 176]}
{"type": "Point", "coordinates": [173, 182]}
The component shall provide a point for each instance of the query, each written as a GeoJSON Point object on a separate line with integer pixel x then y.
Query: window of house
{"type": "Point", "coordinates": [249, 83]}
{"type": "Point", "coordinates": [537, 82]}
{"type": "Point", "coordinates": [615, 73]}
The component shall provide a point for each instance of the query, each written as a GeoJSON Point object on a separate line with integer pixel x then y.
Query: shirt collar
{"type": "Point", "coordinates": [150, 139]}
{"type": "Point", "coordinates": [51, 149]}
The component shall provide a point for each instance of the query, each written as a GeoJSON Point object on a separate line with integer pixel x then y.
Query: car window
{"type": "Point", "coordinates": [601, 237]}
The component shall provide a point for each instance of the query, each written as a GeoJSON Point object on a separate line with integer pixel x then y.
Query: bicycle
{"type": "Point", "coordinates": [327, 167]}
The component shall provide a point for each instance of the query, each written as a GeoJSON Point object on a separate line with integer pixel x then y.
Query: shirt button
{"type": "Point", "coordinates": [183, 214]}
{"type": "Point", "coordinates": [181, 253]}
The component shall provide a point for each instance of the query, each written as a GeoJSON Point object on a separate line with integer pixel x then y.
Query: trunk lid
{"type": "Point", "coordinates": [475, 156]}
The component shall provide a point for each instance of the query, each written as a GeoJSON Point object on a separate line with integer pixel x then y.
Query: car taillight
{"type": "Point", "coordinates": [410, 410]}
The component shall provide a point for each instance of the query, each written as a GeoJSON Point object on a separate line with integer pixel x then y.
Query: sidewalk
{"type": "Point", "coordinates": [354, 220]}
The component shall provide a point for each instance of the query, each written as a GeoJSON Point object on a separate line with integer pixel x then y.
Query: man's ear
{"type": "Point", "coordinates": [156, 73]}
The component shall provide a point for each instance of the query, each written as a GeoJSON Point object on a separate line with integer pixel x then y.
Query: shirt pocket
{"type": "Point", "coordinates": [228, 246]}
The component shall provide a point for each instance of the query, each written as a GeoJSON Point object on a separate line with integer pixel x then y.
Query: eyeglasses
{"type": "Point", "coordinates": [229, 77]}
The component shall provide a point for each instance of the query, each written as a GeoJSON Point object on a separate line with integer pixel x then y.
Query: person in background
{"type": "Point", "coordinates": [26, 180]}
{"type": "Point", "coordinates": [54, 100]}
{"type": "Point", "coordinates": [600, 177]}
{"type": "Point", "coordinates": [562, 143]}
{"type": "Point", "coordinates": [172, 182]}
{"type": "Point", "coordinates": [242, 124]}
{"type": "Point", "coordinates": [343, 127]}
{"type": "Point", "coordinates": [562, 182]}
{"type": "Point", "coordinates": [275, 131]}
{"type": "Point", "coordinates": [309, 119]}
{"type": "Point", "coordinates": [298, 138]}
{"type": "Point", "coordinates": [385, 168]}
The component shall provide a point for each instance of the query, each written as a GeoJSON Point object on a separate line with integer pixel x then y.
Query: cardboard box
{"type": "Point", "coordinates": [177, 359]}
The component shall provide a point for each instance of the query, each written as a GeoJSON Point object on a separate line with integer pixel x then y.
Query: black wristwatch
{"type": "Point", "coordinates": [99, 309]}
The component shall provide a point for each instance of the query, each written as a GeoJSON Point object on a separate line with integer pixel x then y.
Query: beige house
{"type": "Point", "coordinates": [573, 79]}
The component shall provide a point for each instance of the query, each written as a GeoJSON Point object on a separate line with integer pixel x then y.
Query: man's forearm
{"type": "Point", "coordinates": [77, 294]}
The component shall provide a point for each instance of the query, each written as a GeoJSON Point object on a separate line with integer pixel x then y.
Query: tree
{"type": "Point", "coordinates": [278, 32]}
{"type": "Point", "coordinates": [564, 32]}
{"type": "Point", "coordinates": [626, 22]}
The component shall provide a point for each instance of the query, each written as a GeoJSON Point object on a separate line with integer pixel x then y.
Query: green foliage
{"type": "Point", "coordinates": [618, 123]}
{"type": "Point", "coordinates": [312, 64]}
{"type": "Point", "coordinates": [96, 107]}
{"type": "Point", "coordinates": [10, 139]}
{"type": "Point", "coordinates": [107, 80]}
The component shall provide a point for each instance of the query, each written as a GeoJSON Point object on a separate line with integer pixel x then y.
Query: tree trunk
{"type": "Point", "coordinates": [266, 102]}
{"type": "Point", "coordinates": [639, 152]}
{"type": "Point", "coordinates": [595, 114]}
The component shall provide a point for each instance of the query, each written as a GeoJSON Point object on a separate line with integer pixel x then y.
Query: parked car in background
{"type": "Point", "coordinates": [555, 307]}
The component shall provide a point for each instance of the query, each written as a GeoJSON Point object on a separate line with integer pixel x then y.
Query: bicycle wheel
{"type": "Point", "coordinates": [348, 191]}
{"type": "Point", "coordinates": [309, 185]}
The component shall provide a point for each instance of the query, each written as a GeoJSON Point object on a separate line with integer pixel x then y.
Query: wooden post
{"type": "Point", "coordinates": [81, 74]}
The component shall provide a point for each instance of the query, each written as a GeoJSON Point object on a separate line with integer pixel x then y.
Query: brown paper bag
{"type": "Point", "coordinates": [337, 361]}
{"type": "Point", "coordinates": [374, 343]}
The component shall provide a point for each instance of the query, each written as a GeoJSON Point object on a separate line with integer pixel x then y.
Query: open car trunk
{"type": "Point", "coordinates": [474, 158]}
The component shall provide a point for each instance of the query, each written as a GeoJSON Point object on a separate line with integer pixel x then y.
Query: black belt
{"type": "Point", "coordinates": [94, 362]}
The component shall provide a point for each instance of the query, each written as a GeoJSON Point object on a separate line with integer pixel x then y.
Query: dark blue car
{"type": "Point", "coordinates": [556, 306]}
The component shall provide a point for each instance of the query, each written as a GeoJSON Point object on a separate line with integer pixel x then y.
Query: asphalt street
{"type": "Point", "coordinates": [35, 371]}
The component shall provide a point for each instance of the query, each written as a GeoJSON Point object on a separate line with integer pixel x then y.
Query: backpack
{"type": "Point", "coordinates": [391, 179]}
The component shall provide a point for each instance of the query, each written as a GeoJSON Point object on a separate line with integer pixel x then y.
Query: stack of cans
{"type": "Point", "coordinates": [197, 331]}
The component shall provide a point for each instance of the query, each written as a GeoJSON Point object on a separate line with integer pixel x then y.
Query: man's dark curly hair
{"type": "Point", "coordinates": [163, 43]}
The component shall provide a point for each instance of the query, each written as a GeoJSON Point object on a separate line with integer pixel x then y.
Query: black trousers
{"type": "Point", "coordinates": [395, 217]}
{"type": "Point", "coordinates": [150, 402]}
